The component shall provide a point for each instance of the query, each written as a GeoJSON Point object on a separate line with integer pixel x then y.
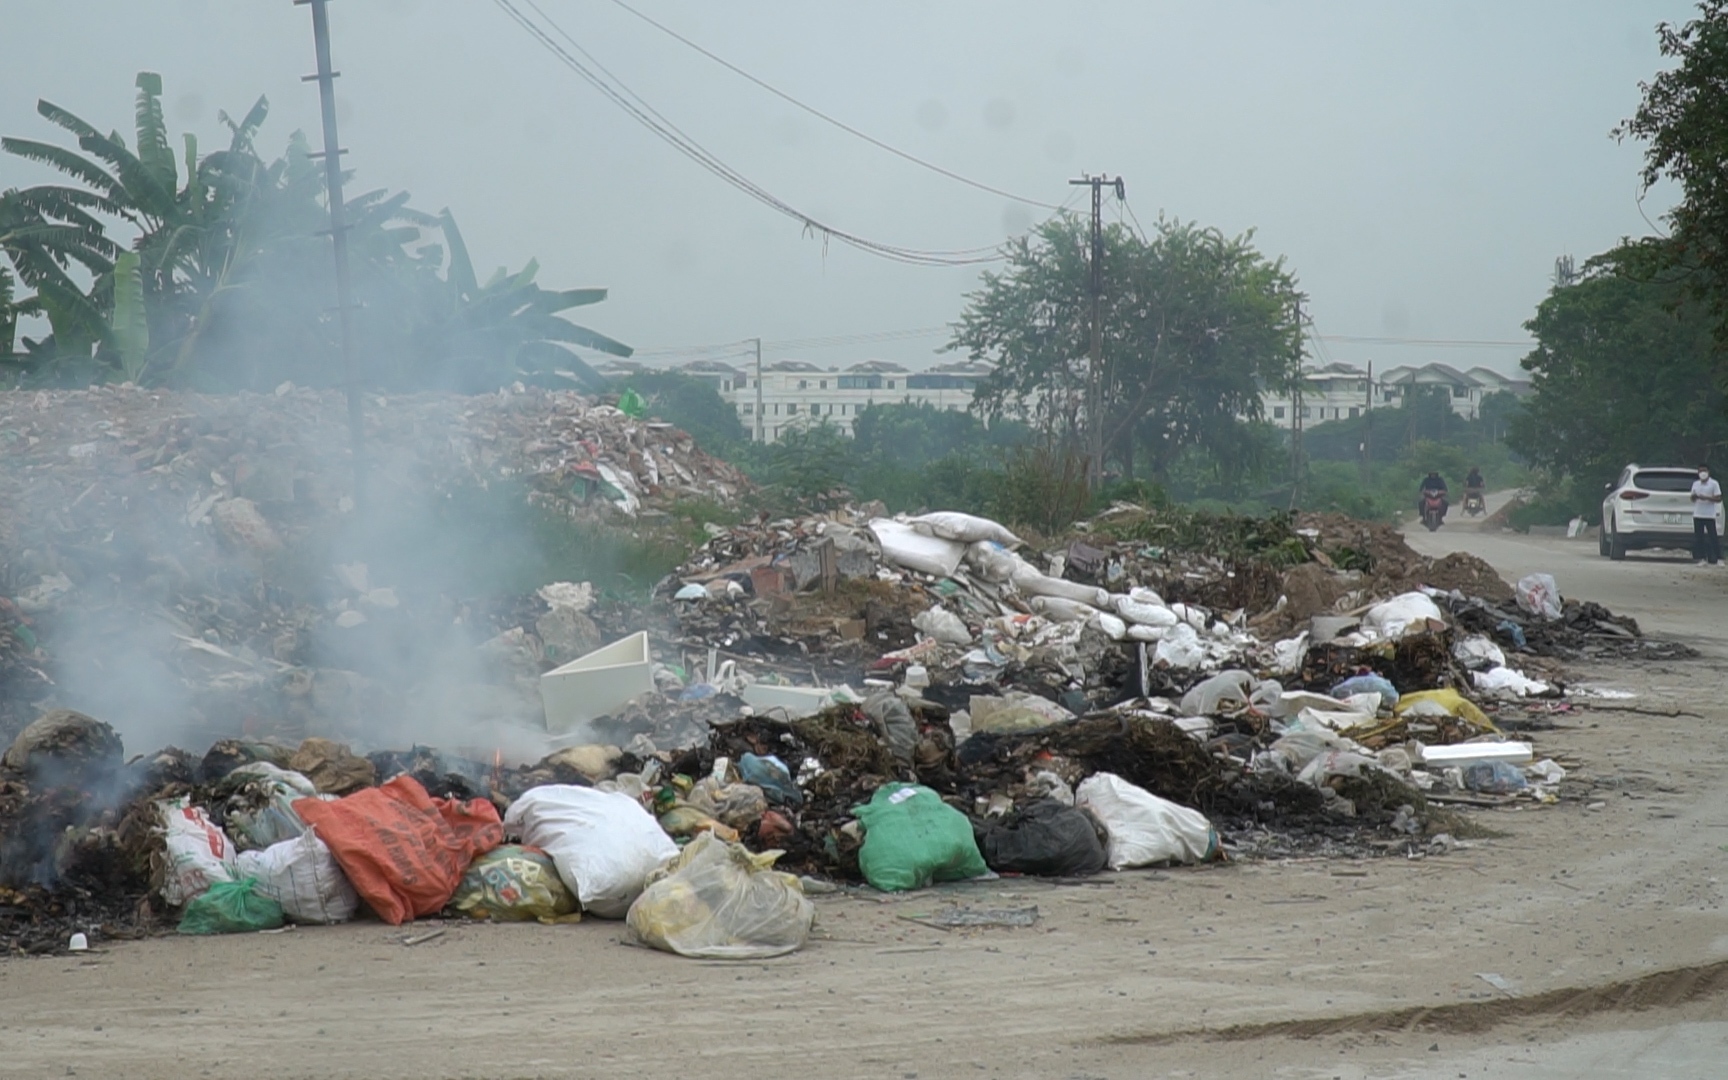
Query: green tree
{"type": "Point", "coordinates": [1683, 120]}
{"type": "Point", "coordinates": [1623, 371]}
{"type": "Point", "coordinates": [913, 435]}
{"type": "Point", "coordinates": [1196, 324]}
{"type": "Point", "coordinates": [691, 404]}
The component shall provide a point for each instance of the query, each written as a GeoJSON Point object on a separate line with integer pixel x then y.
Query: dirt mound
{"type": "Point", "coordinates": [1463, 572]}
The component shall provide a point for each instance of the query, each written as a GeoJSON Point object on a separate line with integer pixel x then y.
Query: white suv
{"type": "Point", "coordinates": [1649, 507]}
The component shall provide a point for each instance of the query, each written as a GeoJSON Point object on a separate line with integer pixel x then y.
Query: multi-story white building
{"type": "Point", "coordinates": [1340, 391]}
{"type": "Point", "coordinates": [797, 393]}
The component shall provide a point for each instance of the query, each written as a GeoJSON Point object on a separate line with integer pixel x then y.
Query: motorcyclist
{"type": "Point", "coordinates": [1474, 484]}
{"type": "Point", "coordinates": [1433, 484]}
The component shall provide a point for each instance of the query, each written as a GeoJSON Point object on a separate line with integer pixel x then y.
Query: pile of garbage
{"type": "Point", "coordinates": [178, 528]}
{"type": "Point", "coordinates": [897, 701]}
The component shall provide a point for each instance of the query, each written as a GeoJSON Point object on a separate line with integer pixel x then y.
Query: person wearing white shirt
{"type": "Point", "coordinates": [1706, 497]}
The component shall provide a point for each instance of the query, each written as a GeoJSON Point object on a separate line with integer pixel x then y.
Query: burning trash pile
{"type": "Point", "coordinates": [181, 533]}
{"type": "Point", "coordinates": [897, 701]}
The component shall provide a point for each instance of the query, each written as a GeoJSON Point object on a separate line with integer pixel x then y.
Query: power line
{"type": "Point", "coordinates": [614, 90]}
{"type": "Point", "coordinates": [1444, 343]}
{"type": "Point", "coordinates": [842, 125]}
{"type": "Point", "coordinates": [828, 342]}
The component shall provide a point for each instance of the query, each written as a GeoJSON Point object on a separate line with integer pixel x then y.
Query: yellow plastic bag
{"type": "Point", "coordinates": [1452, 701]}
{"type": "Point", "coordinates": [515, 884]}
{"type": "Point", "coordinates": [718, 901]}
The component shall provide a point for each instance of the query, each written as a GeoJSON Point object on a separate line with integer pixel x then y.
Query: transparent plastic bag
{"type": "Point", "coordinates": [718, 901]}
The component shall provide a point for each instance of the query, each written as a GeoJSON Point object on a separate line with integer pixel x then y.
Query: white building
{"type": "Point", "coordinates": [1341, 391]}
{"type": "Point", "coordinates": [797, 393]}
{"type": "Point", "coordinates": [1333, 392]}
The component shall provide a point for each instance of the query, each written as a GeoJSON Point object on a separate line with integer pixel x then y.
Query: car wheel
{"type": "Point", "coordinates": [1616, 545]}
{"type": "Point", "coordinates": [1602, 541]}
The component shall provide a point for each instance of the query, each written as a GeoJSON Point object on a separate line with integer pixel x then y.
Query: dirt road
{"type": "Point", "coordinates": [1588, 940]}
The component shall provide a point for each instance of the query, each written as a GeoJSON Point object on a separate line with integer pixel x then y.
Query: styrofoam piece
{"type": "Point", "coordinates": [594, 685]}
{"type": "Point", "coordinates": [1472, 753]}
{"type": "Point", "coordinates": [797, 701]}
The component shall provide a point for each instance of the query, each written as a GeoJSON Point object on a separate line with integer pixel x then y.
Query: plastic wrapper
{"type": "Point", "coordinates": [303, 876]}
{"type": "Point", "coordinates": [738, 805]}
{"type": "Point", "coordinates": [1538, 594]}
{"type": "Point", "coordinates": [1046, 838]}
{"type": "Point", "coordinates": [1407, 613]}
{"type": "Point", "coordinates": [943, 625]}
{"type": "Point", "coordinates": [912, 838]}
{"type": "Point", "coordinates": [515, 884]}
{"type": "Point", "coordinates": [230, 907]}
{"type": "Point", "coordinates": [199, 854]}
{"type": "Point", "coordinates": [603, 843]}
{"type": "Point", "coordinates": [718, 901]}
{"type": "Point", "coordinates": [1145, 829]}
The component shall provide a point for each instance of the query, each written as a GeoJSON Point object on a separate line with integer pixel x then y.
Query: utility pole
{"type": "Point", "coordinates": [1368, 430]}
{"type": "Point", "coordinates": [761, 434]}
{"type": "Point", "coordinates": [1095, 385]}
{"type": "Point", "coordinates": [332, 155]}
{"type": "Point", "coordinates": [1296, 416]}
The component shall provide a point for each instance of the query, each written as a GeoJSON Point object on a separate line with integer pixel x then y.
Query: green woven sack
{"type": "Point", "coordinates": [912, 837]}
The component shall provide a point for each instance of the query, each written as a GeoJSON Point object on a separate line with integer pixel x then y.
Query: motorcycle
{"type": "Point", "coordinates": [1433, 510]}
{"type": "Point", "coordinates": [1474, 504]}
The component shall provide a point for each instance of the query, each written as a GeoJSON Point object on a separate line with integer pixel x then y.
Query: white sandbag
{"type": "Point", "coordinates": [1291, 702]}
{"type": "Point", "coordinates": [1143, 613]}
{"type": "Point", "coordinates": [1059, 609]}
{"type": "Point", "coordinates": [1149, 634]}
{"type": "Point", "coordinates": [1197, 617]}
{"type": "Point", "coordinates": [953, 525]}
{"type": "Point", "coordinates": [910, 549]}
{"type": "Point", "coordinates": [603, 843]}
{"type": "Point", "coordinates": [1143, 828]}
{"type": "Point", "coordinates": [1411, 611]}
{"type": "Point", "coordinates": [1032, 583]}
{"type": "Point", "coordinates": [993, 562]}
{"type": "Point", "coordinates": [1114, 629]}
{"type": "Point", "coordinates": [302, 876]}
{"type": "Point", "coordinates": [943, 625]}
{"type": "Point", "coordinates": [1180, 648]}
{"type": "Point", "coordinates": [199, 854]}
{"type": "Point", "coordinates": [1538, 594]}
{"type": "Point", "coordinates": [1142, 595]}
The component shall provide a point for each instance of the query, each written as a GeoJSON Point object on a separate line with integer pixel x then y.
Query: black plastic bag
{"type": "Point", "coordinates": [1046, 839]}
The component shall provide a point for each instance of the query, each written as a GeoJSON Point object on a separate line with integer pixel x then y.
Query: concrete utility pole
{"type": "Point", "coordinates": [1296, 415]}
{"type": "Point", "coordinates": [761, 433]}
{"type": "Point", "coordinates": [1095, 384]}
{"type": "Point", "coordinates": [332, 155]}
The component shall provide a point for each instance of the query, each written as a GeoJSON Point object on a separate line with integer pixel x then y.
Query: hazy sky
{"type": "Point", "coordinates": [1420, 166]}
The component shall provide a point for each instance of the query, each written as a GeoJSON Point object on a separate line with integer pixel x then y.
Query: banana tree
{"type": "Point", "coordinates": [483, 335]}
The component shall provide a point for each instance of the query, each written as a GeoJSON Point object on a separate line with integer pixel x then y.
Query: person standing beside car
{"type": "Point", "coordinates": [1706, 497]}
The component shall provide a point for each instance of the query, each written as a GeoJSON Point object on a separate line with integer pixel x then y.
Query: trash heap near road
{"type": "Point", "coordinates": [851, 696]}
{"type": "Point", "coordinates": [186, 531]}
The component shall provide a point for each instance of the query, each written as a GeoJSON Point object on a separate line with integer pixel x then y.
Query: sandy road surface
{"type": "Point", "coordinates": [1130, 975]}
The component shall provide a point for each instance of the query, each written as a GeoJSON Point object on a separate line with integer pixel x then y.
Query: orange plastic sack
{"type": "Point", "coordinates": [403, 851]}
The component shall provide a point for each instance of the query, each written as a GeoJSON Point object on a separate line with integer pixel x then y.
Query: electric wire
{"type": "Point", "coordinates": [614, 90]}
{"type": "Point", "coordinates": [820, 115]}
